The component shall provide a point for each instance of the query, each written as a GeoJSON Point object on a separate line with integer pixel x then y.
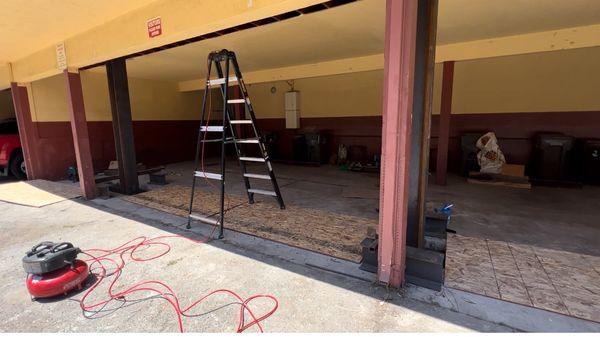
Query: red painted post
{"type": "Point", "coordinates": [27, 131]}
{"type": "Point", "coordinates": [400, 39]}
{"type": "Point", "coordinates": [79, 129]}
{"type": "Point", "coordinates": [441, 166]}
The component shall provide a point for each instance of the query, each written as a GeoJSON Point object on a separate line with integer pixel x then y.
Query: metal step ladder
{"type": "Point", "coordinates": [224, 61]}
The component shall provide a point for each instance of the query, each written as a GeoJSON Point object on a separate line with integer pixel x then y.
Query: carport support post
{"type": "Point", "coordinates": [118, 89]}
{"type": "Point", "coordinates": [399, 56]}
{"type": "Point", "coordinates": [79, 129]}
{"type": "Point", "coordinates": [421, 120]}
{"type": "Point", "coordinates": [27, 130]}
{"type": "Point", "coordinates": [444, 128]}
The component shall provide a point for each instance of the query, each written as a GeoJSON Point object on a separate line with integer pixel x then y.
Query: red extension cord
{"type": "Point", "coordinates": [129, 248]}
{"type": "Point", "coordinates": [159, 288]}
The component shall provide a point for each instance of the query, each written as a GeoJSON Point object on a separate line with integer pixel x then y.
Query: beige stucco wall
{"type": "Point", "coordinates": [355, 94]}
{"type": "Point", "coordinates": [150, 100]}
{"type": "Point", "coordinates": [556, 81]}
{"type": "Point", "coordinates": [566, 80]}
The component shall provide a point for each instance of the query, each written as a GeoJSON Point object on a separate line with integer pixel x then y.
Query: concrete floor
{"type": "Point", "coordinates": [311, 300]}
{"type": "Point", "coordinates": [553, 218]}
{"type": "Point", "coordinates": [304, 186]}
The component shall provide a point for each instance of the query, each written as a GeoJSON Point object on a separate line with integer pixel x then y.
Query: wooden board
{"type": "Point", "coordinates": [499, 183]}
{"type": "Point", "coordinates": [329, 233]}
{"type": "Point", "coordinates": [513, 170]}
{"type": "Point", "coordinates": [498, 180]}
{"type": "Point", "coordinates": [37, 193]}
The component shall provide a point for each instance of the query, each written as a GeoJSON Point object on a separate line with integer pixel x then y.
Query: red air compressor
{"type": "Point", "coordinates": [53, 269]}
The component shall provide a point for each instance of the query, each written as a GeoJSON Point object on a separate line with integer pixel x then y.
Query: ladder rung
{"type": "Point", "coordinates": [257, 191]}
{"type": "Point", "coordinates": [235, 101]}
{"type": "Point", "coordinates": [247, 141]}
{"type": "Point", "coordinates": [257, 176]}
{"type": "Point", "coordinates": [216, 140]}
{"type": "Point", "coordinates": [211, 128]}
{"type": "Point", "coordinates": [219, 81]}
{"type": "Point", "coordinates": [205, 219]}
{"type": "Point", "coordinates": [208, 175]}
{"type": "Point", "coordinates": [253, 159]}
{"type": "Point", "coordinates": [241, 121]}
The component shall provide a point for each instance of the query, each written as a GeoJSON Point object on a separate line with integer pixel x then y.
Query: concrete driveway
{"type": "Point", "coordinates": [310, 299]}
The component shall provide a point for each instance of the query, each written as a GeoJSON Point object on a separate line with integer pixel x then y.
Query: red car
{"type": "Point", "coordinates": [11, 154]}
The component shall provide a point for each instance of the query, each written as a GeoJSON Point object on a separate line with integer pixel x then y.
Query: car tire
{"type": "Point", "coordinates": [17, 166]}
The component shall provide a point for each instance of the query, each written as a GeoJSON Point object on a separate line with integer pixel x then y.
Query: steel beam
{"type": "Point", "coordinates": [444, 129]}
{"type": "Point", "coordinates": [400, 38]}
{"type": "Point", "coordinates": [422, 98]}
{"type": "Point", "coordinates": [81, 139]}
{"type": "Point", "coordinates": [118, 89]}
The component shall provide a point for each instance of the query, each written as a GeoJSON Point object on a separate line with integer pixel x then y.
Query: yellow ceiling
{"type": "Point", "coordinates": [347, 31]}
{"type": "Point", "coordinates": [357, 29]}
{"type": "Point", "coordinates": [30, 25]}
{"type": "Point", "coordinates": [326, 35]}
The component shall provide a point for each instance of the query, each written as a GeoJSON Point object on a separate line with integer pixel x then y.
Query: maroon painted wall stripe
{"type": "Point", "coordinates": [163, 142]}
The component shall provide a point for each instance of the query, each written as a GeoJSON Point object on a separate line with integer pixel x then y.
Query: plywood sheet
{"type": "Point", "coordinates": [553, 280]}
{"type": "Point", "coordinates": [329, 233]}
{"type": "Point", "coordinates": [513, 170]}
{"type": "Point", "coordinates": [37, 193]}
{"type": "Point", "coordinates": [500, 182]}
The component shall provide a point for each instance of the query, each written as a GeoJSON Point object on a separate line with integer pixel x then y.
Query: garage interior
{"type": "Point", "coordinates": [535, 242]}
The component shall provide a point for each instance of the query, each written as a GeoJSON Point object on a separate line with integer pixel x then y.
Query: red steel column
{"type": "Point", "coordinates": [400, 39]}
{"type": "Point", "coordinates": [81, 139]}
{"type": "Point", "coordinates": [27, 131]}
{"type": "Point", "coordinates": [444, 128]}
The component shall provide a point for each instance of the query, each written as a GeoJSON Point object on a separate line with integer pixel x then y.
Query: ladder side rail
{"type": "Point", "coordinates": [264, 153]}
{"type": "Point", "coordinates": [233, 135]}
{"type": "Point", "coordinates": [224, 89]}
{"type": "Point", "coordinates": [200, 133]}
{"type": "Point", "coordinates": [244, 91]}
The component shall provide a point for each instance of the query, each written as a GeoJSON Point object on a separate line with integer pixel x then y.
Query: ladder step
{"type": "Point", "coordinates": [262, 160]}
{"type": "Point", "coordinates": [211, 128]}
{"type": "Point", "coordinates": [219, 81]}
{"type": "Point", "coordinates": [247, 141]}
{"type": "Point", "coordinates": [205, 219]}
{"type": "Point", "coordinates": [235, 101]}
{"type": "Point", "coordinates": [257, 176]}
{"type": "Point", "coordinates": [241, 121]}
{"type": "Point", "coordinates": [217, 140]}
{"type": "Point", "coordinates": [257, 191]}
{"type": "Point", "coordinates": [208, 175]}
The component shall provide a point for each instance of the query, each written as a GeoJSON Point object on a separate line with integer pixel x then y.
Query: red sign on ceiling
{"type": "Point", "coordinates": [154, 27]}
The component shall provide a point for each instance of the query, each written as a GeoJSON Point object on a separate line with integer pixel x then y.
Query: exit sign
{"type": "Point", "coordinates": [154, 27]}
